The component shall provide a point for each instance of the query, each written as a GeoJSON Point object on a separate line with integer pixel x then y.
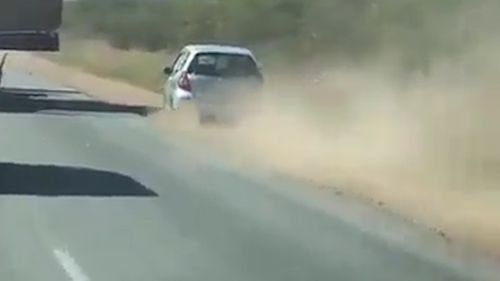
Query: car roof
{"type": "Point", "coordinates": [206, 48]}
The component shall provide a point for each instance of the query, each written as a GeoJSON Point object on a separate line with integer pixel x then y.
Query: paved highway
{"type": "Point", "coordinates": [96, 196]}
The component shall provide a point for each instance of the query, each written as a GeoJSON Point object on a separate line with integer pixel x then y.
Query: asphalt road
{"type": "Point", "coordinates": [91, 196]}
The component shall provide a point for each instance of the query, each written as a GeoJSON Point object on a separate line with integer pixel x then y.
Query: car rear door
{"type": "Point", "coordinates": [172, 81]}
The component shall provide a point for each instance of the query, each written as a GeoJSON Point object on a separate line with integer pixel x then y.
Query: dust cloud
{"type": "Point", "coordinates": [424, 146]}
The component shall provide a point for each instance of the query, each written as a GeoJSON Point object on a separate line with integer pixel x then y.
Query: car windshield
{"type": "Point", "coordinates": [223, 65]}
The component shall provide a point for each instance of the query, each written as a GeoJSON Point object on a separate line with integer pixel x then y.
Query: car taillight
{"type": "Point", "coordinates": [184, 82]}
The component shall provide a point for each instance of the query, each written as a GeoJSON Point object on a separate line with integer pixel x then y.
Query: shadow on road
{"type": "Point", "coordinates": [37, 92]}
{"type": "Point", "coordinates": [52, 181]}
{"type": "Point", "coordinates": [18, 100]}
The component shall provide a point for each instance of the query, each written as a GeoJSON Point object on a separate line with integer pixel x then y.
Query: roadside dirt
{"type": "Point", "coordinates": [118, 92]}
{"type": "Point", "coordinates": [376, 151]}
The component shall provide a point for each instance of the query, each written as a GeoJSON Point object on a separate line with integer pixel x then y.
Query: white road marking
{"type": "Point", "coordinates": [70, 266]}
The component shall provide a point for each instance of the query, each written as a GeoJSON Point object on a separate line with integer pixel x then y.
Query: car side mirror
{"type": "Point", "coordinates": [168, 70]}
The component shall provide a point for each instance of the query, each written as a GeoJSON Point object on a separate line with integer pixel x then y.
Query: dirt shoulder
{"type": "Point", "coordinates": [109, 90]}
{"type": "Point", "coordinates": [387, 171]}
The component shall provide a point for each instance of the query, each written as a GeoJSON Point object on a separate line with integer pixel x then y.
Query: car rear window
{"type": "Point", "coordinates": [224, 65]}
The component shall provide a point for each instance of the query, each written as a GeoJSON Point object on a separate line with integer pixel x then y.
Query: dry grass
{"type": "Point", "coordinates": [140, 68]}
{"type": "Point", "coordinates": [428, 149]}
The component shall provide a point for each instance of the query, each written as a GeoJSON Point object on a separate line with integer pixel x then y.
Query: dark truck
{"type": "Point", "coordinates": [29, 25]}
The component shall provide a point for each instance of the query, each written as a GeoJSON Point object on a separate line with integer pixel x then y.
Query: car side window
{"type": "Point", "coordinates": [176, 60]}
{"type": "Point", "coordinates": [180, 61]}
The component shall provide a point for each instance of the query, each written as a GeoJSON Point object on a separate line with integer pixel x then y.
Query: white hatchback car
{"type": "Point", "coordinates": [221, 80]}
